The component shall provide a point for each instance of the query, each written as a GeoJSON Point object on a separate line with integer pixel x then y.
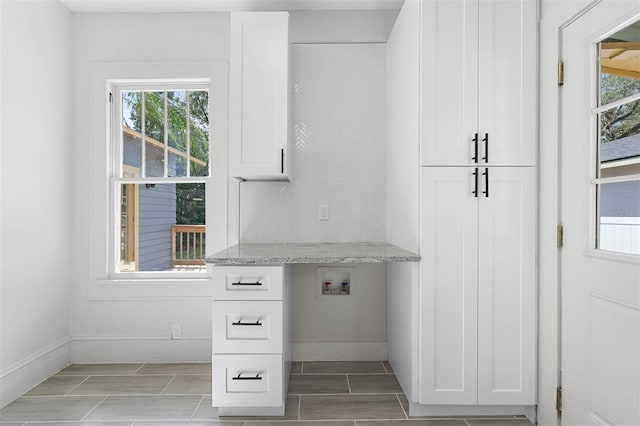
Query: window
{"type": "Point", "coordinates": [160, 166]}
{"type": "Point", "coordinates": [618, 165]}
{"type": "Point", "coordinates": [113, 191]}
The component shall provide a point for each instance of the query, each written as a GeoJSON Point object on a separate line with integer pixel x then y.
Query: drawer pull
{"type": "Point", "coordinates": [257, 323]}
{"type": "Point", "coordinates": [239, 377]}
{"type": "Point", "coordinates": [241, 283]}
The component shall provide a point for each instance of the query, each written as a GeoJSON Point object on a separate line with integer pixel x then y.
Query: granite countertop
{"type": "Point", "coordinates": [266, 253]}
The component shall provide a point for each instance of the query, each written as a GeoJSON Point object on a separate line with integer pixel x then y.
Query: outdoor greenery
{"type": "Point", "coordinates": [190, 205]}
{"type": "Point", "coordinates": [623, 120]}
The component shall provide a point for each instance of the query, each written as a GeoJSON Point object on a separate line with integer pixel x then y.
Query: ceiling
{"type": "Point", "coordinates": [164, 6]}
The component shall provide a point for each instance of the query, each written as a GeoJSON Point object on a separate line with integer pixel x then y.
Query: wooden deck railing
{"type": "Point", "coordinates": [188, 244]}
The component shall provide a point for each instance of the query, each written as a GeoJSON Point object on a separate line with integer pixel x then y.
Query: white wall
{"type": "Point", "coordinates": [338, 130]}
{"type": "Point", "coordinates": [37, 218]}
{"type": "Point", "coordinates": [127, 328]}
{"type": "Point", "coordinates": [345, 328]}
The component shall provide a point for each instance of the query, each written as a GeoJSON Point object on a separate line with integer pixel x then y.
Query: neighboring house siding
{"type": "Point", "coordinates": [157, 214]}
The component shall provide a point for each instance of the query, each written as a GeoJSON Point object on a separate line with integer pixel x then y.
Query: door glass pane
{"type": "Point", "coordinates": [620, 140]}
{"type": "Point", "coordinates": [619, 217]}
{"type": "Point", "coordinates": [618, 203]}
{"type": "Point", "coordinates": [619, 55]}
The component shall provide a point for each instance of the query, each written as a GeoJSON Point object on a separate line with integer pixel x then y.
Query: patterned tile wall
{"type": "Point", "coordinates": [338, 131]}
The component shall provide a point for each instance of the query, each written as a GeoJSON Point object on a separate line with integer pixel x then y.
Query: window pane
{"type": "Point", "coordinates": [177, 165]}
{"type": "Point", "coordinates": [199, 132]}
{"type": "Point", "coordinates": [131, 133]}
{"type": "Point", "coordinates": [154, 120]}
{"type": "Point", "coordinates": [131, 109]}
{"type": "Point", "coordinates": [177, 131]}
{"type": "Point", "coordinates": [162, 227]}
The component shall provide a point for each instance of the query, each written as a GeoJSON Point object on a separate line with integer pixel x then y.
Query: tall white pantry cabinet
{"type": "Point", "coordinates": [475, 322]}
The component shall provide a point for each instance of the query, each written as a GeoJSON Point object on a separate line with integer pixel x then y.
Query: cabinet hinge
{"type": "Point", "coordinates": [559, 400]}
{"type": "Point", "coordinates": [560, 73]}
{"type": "Point", "coordinates": [559, 236]}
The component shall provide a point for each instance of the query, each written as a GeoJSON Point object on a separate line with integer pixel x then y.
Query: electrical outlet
{"type": "Point", "coordinates": [323, 212]}
{"type": "Point", "coordinates": [176, 331]}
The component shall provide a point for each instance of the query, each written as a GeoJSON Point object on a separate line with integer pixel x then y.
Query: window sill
{"type": "Point", "coordinates": [151, 288]}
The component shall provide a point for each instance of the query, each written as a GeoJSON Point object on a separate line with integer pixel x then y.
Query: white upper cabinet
{"type": "Point", "coordinates": [258, 96]}
{"type": "Point", "coordinates": [479, 86]}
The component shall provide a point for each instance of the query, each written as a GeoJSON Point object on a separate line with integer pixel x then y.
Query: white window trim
{"type": "Point", "coordinates": [116, 160]}
{"type": "Point", "coordinates": [104, 283]}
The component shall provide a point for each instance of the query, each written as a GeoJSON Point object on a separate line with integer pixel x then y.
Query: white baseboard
{"type": "Point", "coordinates": [119, 349]}
{"type": "Point", "coordinates": [22, 376]}
{"type": "Point", "coordinates": [340, 351]}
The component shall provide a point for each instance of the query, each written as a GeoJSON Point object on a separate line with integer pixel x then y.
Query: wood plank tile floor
{"type": "Point", "coordinates": [320, 394]}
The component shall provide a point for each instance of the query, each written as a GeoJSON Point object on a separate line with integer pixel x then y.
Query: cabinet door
{"type": "Point", "coordinates": [479, 80]}
{"type": "Point", "coordinates": [448, 286]}
{"type": "Point", "coordinates": [449, 67]}
{"type": "Point", "coordinates": [258, 95]}
{"type": "Point", "coordinates": [506, 287]}
{"type": "Point", "coordinates": [507, 105]}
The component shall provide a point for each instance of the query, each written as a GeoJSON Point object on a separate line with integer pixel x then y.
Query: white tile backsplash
{"type": "Point", "coordinates": [338, 130]}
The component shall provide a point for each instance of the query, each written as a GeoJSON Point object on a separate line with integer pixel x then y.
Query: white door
{"type": "Point", "coordinates": [507, 286]}
{"type": "Point", "coordinates": [600, 333]}
{"type": "Point", "coordinates": [448, 285]}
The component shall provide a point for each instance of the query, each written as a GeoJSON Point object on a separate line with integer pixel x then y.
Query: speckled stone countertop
{"type": "Point", "coordinates": [266, 253]}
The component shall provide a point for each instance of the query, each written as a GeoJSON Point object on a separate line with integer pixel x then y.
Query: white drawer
{"type": "Point", "coordinates": [247, 381]}
{"type": "Point", "coordinates": [247, 327]}
{"type": "Point", "coordinates": [247, 282]}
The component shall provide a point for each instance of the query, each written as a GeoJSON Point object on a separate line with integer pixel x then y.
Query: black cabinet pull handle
{"type": "Point", "coordinates": [241, 283]}
{"type": "Point", "coordinates": [240, 377]}
{"type": "Point", "coordinates": [475, 187]}
{"type": "Point", "coordinates": [282, 160]}
{"type": "Point", "coordinates": [239, 322]}
{"type": "Point", "coordinates": [486, 147]}
{"type": "Point", "coordinates": [475, 149]}
{"type": "Point", "coordinates": [486, 183]}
